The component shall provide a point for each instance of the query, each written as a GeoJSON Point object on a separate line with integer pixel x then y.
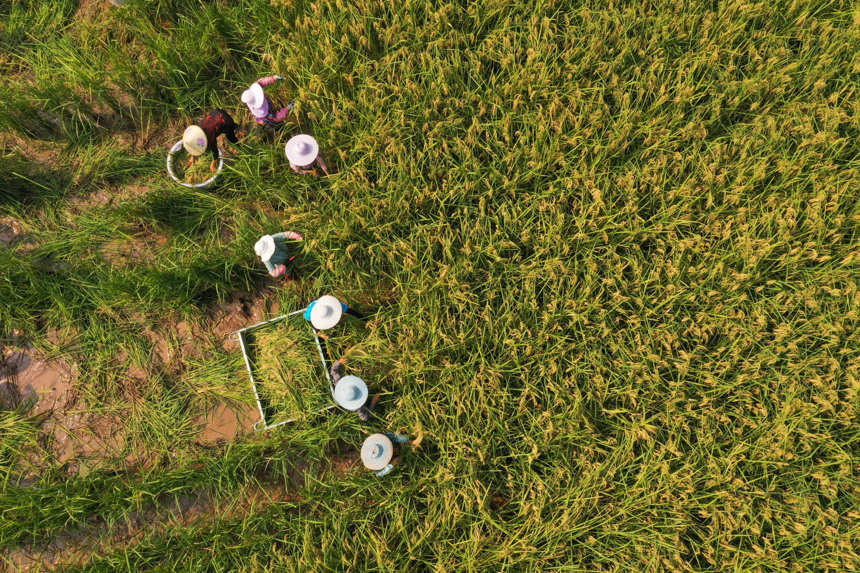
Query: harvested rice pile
{"type": "Point", "coordinates": [197, 173]}
{"type": "Point", "coordinates": [288, 370]}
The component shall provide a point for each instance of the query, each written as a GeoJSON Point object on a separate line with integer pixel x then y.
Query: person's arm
{"type": "Point", "coordinates": [268, 80]}
{"type": "Point", "coordinates": [284, 235]}
{"type": "Point", "coordinates": [322, 164]}
{"type": "Point", "coordinates": [388, 468]}
{"type": "Point", "coordinates": [282, 114]}
{"type": "Point", "coordinates": [337, 369]}
{"type": "Point", "coordinates": [397, 438]}
{"type": "Point", "coordinates": [269, 266]}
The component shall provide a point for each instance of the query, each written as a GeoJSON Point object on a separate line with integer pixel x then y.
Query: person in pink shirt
{"type": "Point", "coordinates": [265, 113]}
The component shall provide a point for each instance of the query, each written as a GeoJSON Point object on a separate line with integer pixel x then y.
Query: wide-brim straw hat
{"type": "Point", "coordinates": [254, 98]}
{"type": "Point", "coordinates": [350, 393]}
{"type": "Point", "coordinates": [326, 312]}
{"type": "Point", "coordinates": [302, 150]}
{"type": "Point", "coordinates": [265, 247]}
{"type": "Point", "coordinates": [194, 140]}
{"type": "Point", "coordinates": [376, 451]}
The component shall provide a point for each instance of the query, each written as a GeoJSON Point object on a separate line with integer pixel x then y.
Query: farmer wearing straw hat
{"type": "Point", "coordinates": [350, 392]}
{"type": "Point", "coordinates": [378, 452]}
{"type": "Point", "coordinates": [272, 250]}
{"type": "Point", "coordinates": [325, 312]}
{"type": "Point", "coordinates": [264, 111]}
{"type": "Point", "coordinates": [303, 151]}
{"type": "Point", "coordinates": [200, 138]}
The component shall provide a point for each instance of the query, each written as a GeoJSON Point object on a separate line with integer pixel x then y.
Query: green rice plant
{"type": "Point", "coordinates": [607, 252]}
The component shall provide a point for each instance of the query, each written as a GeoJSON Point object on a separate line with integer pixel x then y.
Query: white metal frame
{"type": "Point", "coordinates": [239, 335]}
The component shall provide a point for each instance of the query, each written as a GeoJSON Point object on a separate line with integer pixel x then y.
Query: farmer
{"type": "Point", "coordinates": [272, 250]}
{"type": "Point", "coordinates": [350, 392]}
{"type": "Point", "coordinates": [378, 452]}
{"type": "Point", "coordinates": [198, 139]}
{"type": "Point", "coordinates": [303, 151]}
{"type": "Point", "coordinates": [325, 312]}
{"type": "Point", "coordinates": [264, 111]}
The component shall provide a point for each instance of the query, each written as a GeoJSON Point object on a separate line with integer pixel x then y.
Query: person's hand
{"type": "Point", "coordinates": [190, 162]}
{"type": "Point", "coordinates": [278, 271]}
{"type": "Point", "coordinates": [342, 360]}
{"type": "Point", "coordinates": [212, 165]}
{"type": "Point", "coordinates": [278, 78]}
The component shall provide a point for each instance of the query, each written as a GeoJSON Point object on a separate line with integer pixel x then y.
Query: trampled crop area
{"type": "Point", "coordinates": [608, 251]}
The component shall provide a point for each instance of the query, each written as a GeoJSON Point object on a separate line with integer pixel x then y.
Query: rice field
{"type": "Point", "coordinates": [608, 253]}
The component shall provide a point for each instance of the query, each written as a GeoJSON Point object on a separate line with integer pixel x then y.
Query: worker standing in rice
{"type": "Point", "coordinates": [350, 392]}
{"type": "Point", "coordinates": [303, 152]}
{"type": "Point", "coordinates": [266, 113]}
{"type": "Point", "coordinates": [380, 452]}
{"type": "Point", "coordinates": [326, 311]}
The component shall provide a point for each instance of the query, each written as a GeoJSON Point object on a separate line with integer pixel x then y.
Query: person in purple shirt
{"type": "Point", "coordinates": [265, 112]}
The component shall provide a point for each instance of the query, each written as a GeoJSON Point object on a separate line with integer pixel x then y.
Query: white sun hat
{"type": "Point", "coordinates": [377, 451]}
{"type": "Point", "coordinates": [302, 150]}
{"type": "Point", "coordinates": [350, 393]}
{"type": "Point", "coordinates": [194, 140]}
{"type": "Point", "coordinates": [254, 98]}
{"type": "Point", "coordinates": [326, 312]}
{"type": "Point", "coordinates": [265, 247]}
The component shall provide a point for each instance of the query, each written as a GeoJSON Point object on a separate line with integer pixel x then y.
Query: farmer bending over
{"type": "Point", "coordinates": [265, 113]}
{"type": "Point", "coordinates": [350, 392]}
{"type": "Point", "coordinates": [303, 151]}
{"type": "Point", "coordinates": [325, 312]}
{"type": "Point", "coordinates": [378, 452]}
{"type": "Point", "coordinates": [198, 139]}
{"type": "Point", "coordinates": [272, 250]}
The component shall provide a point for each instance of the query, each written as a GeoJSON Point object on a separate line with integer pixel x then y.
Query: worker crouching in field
{"type": "Point", "coordinates": [350, 392]}
{"type": "Point", "coordinates": [302, 152]}
{"type": "Point", "coordinates": [326, 311]}
{"type": "Point", "coordinates": [266, 113]}
{"type": "Point", "coordinates": [203, 137]}
{"type": "Point", "coordinates": [272, 250]}
{"type": "Point", "coordinates": [380, 452]}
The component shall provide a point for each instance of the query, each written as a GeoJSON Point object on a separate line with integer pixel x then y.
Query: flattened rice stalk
{"type": "Point", "coordinates": [289, 374]}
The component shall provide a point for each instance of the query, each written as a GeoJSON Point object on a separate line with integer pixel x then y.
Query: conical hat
{"type": "Point", "coordinates": [265, 247]}
{"type": "Point", "coordinates": [377, 451]}
{"type": "Point", "coordinates": [255, 99]}
{"type": "Point", "coordinates": [350, 393]}
{"type": "Point", "coordinates": [194, 140]}
{"type": "Point", "coordinates": [326, 312]}
{"type": "Point", "coordinates": [302, 150]}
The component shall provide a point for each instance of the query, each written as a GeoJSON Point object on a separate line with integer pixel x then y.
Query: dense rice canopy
{"type": "Point", "coordinates": [613, 248]}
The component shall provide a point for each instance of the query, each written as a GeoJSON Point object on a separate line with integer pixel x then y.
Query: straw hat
{"type": "Point", "coordinates": [194, 140]}
{"type": "Point", "coordinates": [377, 451]}
{"type": "Point", "coordinates": [254, 98]}
{"type": "Point", "coordinates": [302, 150]}
{"type": "Point", "coordinates": [265, 247]}
{"type": "Point", "coordinates": [326, 312]}
{"type": "Point", "coordinates": [350, 393]}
